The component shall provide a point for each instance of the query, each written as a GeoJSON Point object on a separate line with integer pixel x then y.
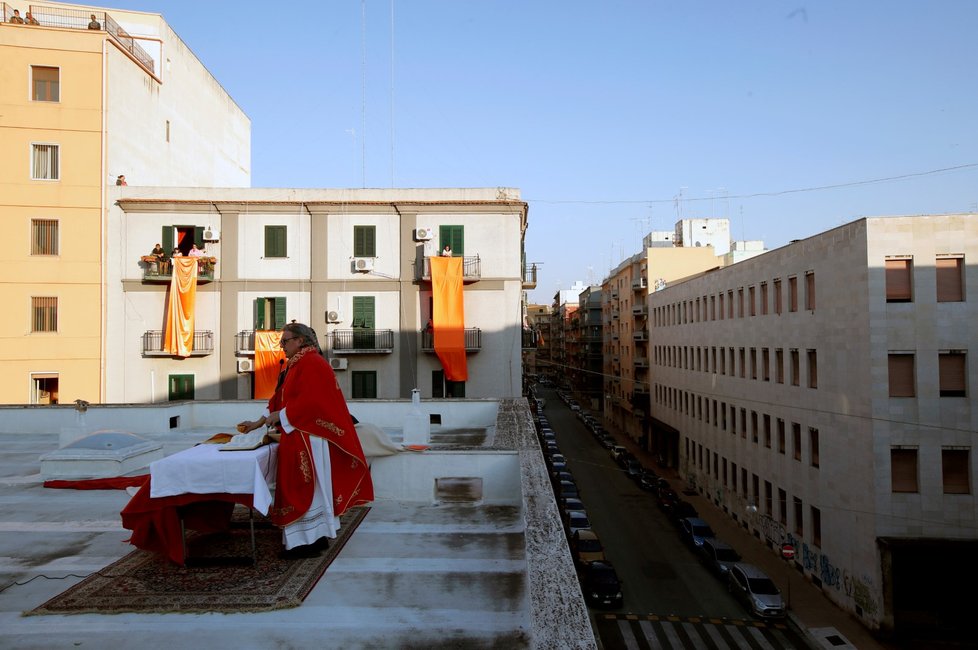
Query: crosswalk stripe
{"type": "Point", "coordinates": [715, 635]}
{"type": "Point", "coordinates": [734, 632]}
{"type": "Point", "coordinates": [694, 637]}
{"type": "Point", "coordinates": [649, 631]}
{"type": "Point", "coordinates": [759, 638]}
{"type": "Point", "coordinates": [626, 633]}
{"type": "Point", "coordinates": [669, 629]}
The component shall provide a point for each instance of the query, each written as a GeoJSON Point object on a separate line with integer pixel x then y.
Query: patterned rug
{"type": "Point", "coordinates": [145, 582]}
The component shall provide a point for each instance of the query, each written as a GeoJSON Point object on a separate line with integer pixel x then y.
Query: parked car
{"type": "Point", "coordinates": [623, 459]}
{"type": "Point", "coordinates": [585, 546]}
{"type": "Point", "coordinates": [758, 592]}
{"type": "Point", "coordinates": [617, 451]}
{"type": "Point", "coordinates": [575, 520]}
{"type": "Point", "coordinates": [681, 510]}
{"type": "Point", "coordinates": [647, 480]}
{"type": "Point", "coordinates": [606, 441]}
{"type": "Point", "coordinates": [633, 468]}
{"type": "Point", "coordinates": [561, 475]}
{"type": "Point", "coordinates": [719, 556]}
{"type": "Point", "coordinates": [667, 499]}
{"type": "Point", "coordinates": [694, 530]}
{"type": "Point", "coordinates": [601, 585]}
{"type": "Point", "coordinates": [566, 489]}
{"type": "Point", "coordinates": [571, 503]}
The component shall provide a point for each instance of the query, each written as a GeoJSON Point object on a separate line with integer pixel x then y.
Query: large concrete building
{"type": "Point", "coordinates": [352, 263]}
{"type": "Point", "coordinates": [823, 394]}
{"type": "Point", "coordinates": [83, 101]}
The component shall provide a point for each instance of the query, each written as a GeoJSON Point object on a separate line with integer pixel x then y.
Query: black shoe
{"type": "Point", "coordinates": [299, 552]}
{"type": "Point", "coordinates": [321, 544]}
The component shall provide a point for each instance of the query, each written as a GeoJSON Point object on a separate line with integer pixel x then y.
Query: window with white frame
{"type": "Point", "coordinates": [45, 162]}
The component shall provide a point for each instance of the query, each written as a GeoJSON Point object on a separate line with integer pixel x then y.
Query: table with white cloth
{"type": "Point", "coordinates": [197, 488]}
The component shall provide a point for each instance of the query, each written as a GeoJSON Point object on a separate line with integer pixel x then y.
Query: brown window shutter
{"type": "Point", "coordinates": [954, 465]}
{"type": "Point", "coordinates": [901, 375]}
{"type": "Point", "coordinates": [903, 467]}
{"type": "Point", "coordinates": [949, 287]}
{"type": "Point", "coordinates": [898, 288]}
{"type": "Point", "coordinates": [952, 368]}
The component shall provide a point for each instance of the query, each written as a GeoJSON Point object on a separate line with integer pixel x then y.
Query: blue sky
{"type": "Point", "coordinates": [602, 113]}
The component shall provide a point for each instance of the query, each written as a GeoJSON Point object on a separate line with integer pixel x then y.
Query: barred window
{"type": "Point", "coordinates": [44, 314]}
{"type": "Point", "coordinates": [44, 237]}
{"type": "Point", "coordinates": [45, 165]}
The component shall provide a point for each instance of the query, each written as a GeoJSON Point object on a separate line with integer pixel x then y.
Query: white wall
{"type": "Point", "coordinates": [252, 263]}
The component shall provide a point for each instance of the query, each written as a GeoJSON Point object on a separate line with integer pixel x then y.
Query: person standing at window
{"type": "Point", "coordinates": [447, 251]}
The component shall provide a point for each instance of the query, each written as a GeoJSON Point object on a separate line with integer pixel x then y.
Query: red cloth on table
{"type": "Point", "coordinates": [155, 523]}
{"type": "Point", "coordinates": [314, 405]}
{"type": "Point", "coordinates": [113, 483]}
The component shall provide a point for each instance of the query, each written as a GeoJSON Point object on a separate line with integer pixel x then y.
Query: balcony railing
{"type": "Point", "coordinates": [640, 362]}
{"type": "Point", "coordinates": [65, 18]}
{"type": "Point", "coordinates": [244, 342]}
{"type": "Point", "coordinates": [471, 269]}
{"type": "Point", "coordinates": [640, 335]}
{"type": "Point", "coordinates": [473, 340]}
{"type": "Point", "coordinates": [361, 340]}
{"type": "Point", "coordinates": [162, 271]}
{"type": "Point", "coordinates": [640, 310]}
{"type": "Point", "coordinates": [153, 344]}
{"type": "Point", "coordinates": [530, 277]}
{"type": "Point", "coordinates": [639, 284]}
{"type": "Point", "coordinates": [530, 339]}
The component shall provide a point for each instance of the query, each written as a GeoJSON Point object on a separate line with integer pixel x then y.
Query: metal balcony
{"type": "Point", "coordinates": [153, 344]}
{"type": "Point", "coordinates": [471, 269]}
{"type": "Point", "coordinates": [530, 339]}
{"type": "Point", "coordinates": [473, 340]}
{"type": "Point", "coordinates": [244, 342]}
{"type": "Point", "coordinates": [361, 341]}
{"type": "Point", "coordinates": [640, 310]}
{"type": "Point", "coordinates": [640, 335]}
{"type": "Point", "coordinates": [162, 272]}
{"type": "Point", "coordinates": [640, 284]}
{"type": "Point", "coordinates": [530, 277]}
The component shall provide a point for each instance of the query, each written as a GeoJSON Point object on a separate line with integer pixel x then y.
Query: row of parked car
{"type": "Point", "coordinates": [745, 581]}
{"type": "Point", "coordinates": [599, 580]}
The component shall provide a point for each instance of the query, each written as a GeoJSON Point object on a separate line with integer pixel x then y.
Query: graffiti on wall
{"type": "Point", "coordinates": [860, 589]}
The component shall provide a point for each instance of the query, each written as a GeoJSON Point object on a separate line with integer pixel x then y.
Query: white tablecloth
{"type": "Point", "coordinates": [205, 469]}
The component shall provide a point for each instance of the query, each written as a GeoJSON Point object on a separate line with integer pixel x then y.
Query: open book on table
{"type": "Point", "coordinates": [246, 441]}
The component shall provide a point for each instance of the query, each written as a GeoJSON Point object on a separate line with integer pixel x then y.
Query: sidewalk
{"type": "Point", "coordinates": [809, 608]}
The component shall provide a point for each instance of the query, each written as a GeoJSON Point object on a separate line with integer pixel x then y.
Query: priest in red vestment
{"type": "Point", "coordinates": [321, 467]}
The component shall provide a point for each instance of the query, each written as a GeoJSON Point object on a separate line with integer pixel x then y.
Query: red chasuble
{"type": "Point", "coordinates": [315, 407]}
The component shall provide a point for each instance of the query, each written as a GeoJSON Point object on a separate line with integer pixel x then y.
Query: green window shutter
{"type": "Point", "coordinates": [166, 240]}
{"type": "Point", "coordinates": [181, 387]}
{"type": "Point", "coordinates": [454, 237]}
{"type": "Point", "coordinates": [279, 306]}
{"type": "Point", "coordinates": [365, 241]}
{"type": "Point", "coordinates": [259, 313]}
{"type": "Point", "coordinates": [275, 241]}
{"type": "Point", "coordinates": [199, 237]}
{"type": "Point", "coordinates": [364, 384]}
{"type": "Point", "coordinates": [363, 312]}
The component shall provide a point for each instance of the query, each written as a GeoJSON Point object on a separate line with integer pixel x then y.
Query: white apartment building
{"type": "Point", "coordinates": [351, 263]}
{"type": "Point", "coordinates": [824, 395]}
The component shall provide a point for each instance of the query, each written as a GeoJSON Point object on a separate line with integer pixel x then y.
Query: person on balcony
{"type": "Point", "coordinates": [16, 19]}
{"type": "Point", "coordinates": [31, 20]}
{"type": "Point", "coordinates": [94, 24]}
{"type": "Point", "coordinates": [160, 256]}
{"type": "Point", "coordinates": [121, 178]}
{"type": "Point", "coordinates": [312, 423]}
{"type": "Point", "coordinates": [447, 251]}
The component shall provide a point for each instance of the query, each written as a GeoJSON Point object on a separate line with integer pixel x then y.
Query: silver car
{"type": "Point", "coordinates": [757, 591]}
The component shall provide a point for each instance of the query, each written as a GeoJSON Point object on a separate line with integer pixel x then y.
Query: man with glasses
{"type": "Point", "coordinates": [312, 422]}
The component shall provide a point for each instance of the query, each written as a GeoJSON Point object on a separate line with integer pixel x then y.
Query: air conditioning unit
{"type": "Point", "coordinates": [246, 365]}
{"type": "Point", "coordinates": [333, 317]}
{"type": "Point", "coordinates": [337, 363]}
{"type": "Point", "coordinates": [423, 234]}
{"type": "Point", "coordinates": [211, 234]}
{"type": "Point", "coordinates": [363, 264]}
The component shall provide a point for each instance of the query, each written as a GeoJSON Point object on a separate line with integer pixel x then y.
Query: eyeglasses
{"type": "Point", "coordinates": [286, 340]}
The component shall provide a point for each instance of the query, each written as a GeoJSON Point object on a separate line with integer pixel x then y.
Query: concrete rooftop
{"type": "Point", "coordinates": [494, 573]}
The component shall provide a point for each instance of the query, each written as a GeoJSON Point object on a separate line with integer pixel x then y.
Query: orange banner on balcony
{"type": "Point", "coordinates": [178, 339]}
{"type": "Point", "coordinates": [268, 355]}
{"type": "Point", "coordinates": [448, 316]}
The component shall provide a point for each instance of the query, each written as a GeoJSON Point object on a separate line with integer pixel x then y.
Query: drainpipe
{"type": "Point", "coordinates": [102, 230]}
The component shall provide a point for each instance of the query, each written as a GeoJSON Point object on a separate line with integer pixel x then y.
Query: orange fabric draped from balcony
{"type": "Point", "coordinates": [179, 337]}
{"type": "Point", "coordinates": [268, 354]}
{"type": "Point", "coordinates": [448, 316]}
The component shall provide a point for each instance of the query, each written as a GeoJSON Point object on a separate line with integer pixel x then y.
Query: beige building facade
{"type": "Point", "coordinates": [81, 106]}
{"type": "Point", "coordinates": [354, 264]}
{"type": "Point", "coordinates": [823, 394]}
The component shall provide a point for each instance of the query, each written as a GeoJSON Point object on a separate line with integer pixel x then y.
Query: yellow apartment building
{"type": "Point", "coordinates": [87, 96]}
